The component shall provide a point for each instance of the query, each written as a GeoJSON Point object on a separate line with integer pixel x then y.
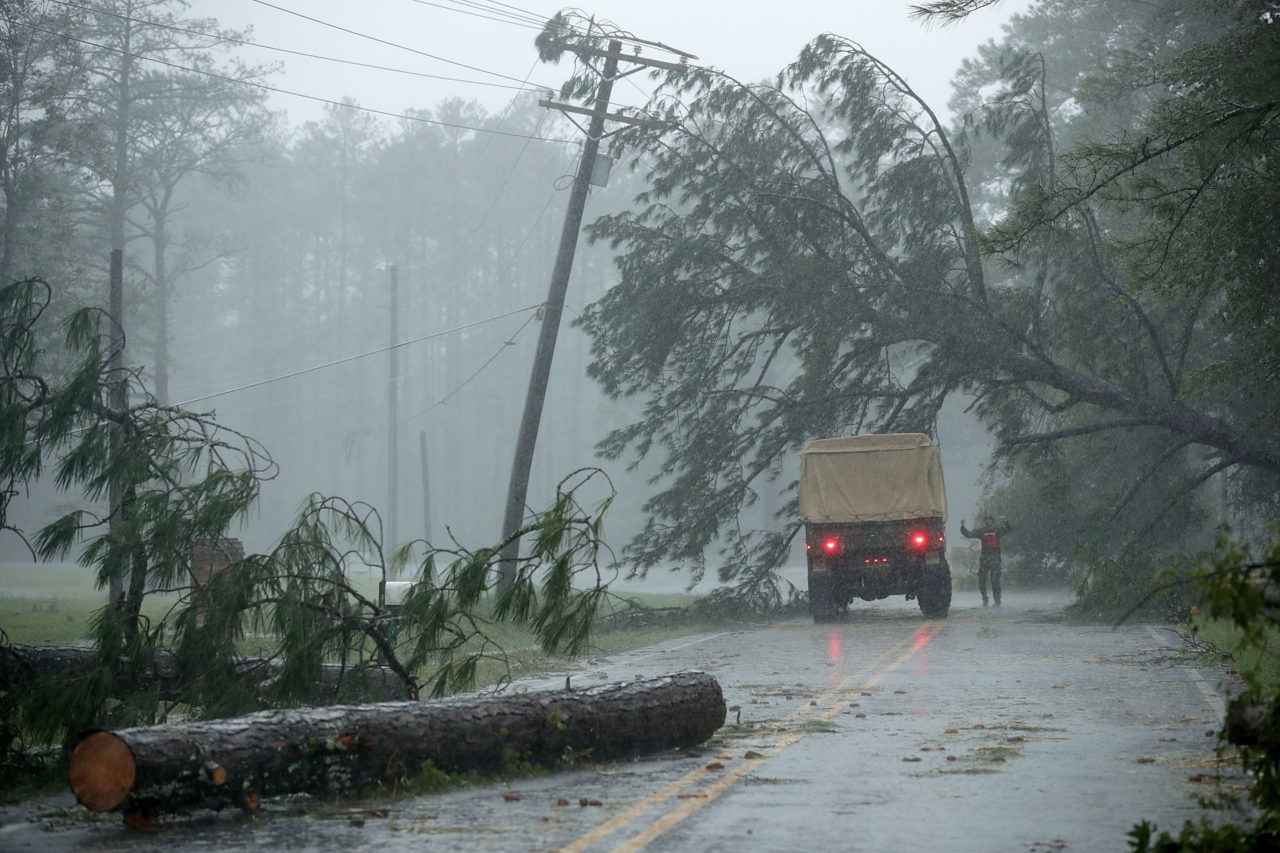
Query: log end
{"type": "Point", "coordinates": [102, 771]}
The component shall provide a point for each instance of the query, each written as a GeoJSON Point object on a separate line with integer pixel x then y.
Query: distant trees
{"type": "Point", "coordinates": [39, 72]}
{"type": "Point", "coordinates": [160, 106]}
{"type": "Point", "coordinates": [469, 217]}
{"type": "Point", "coordinates": [821, 257]}
{"type": "Point", "coordinates": [252, 250]}
{"type": "Point", "coordinates": [205, 128]}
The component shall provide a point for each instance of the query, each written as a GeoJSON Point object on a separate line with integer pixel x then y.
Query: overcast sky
{"type": "Point", "coordinates": [487, 46]}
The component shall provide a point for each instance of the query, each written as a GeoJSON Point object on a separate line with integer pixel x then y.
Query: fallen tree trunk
{"type": "Point", "coordinates": [20, 664]}
{"type": "Point", "coordinates": [145, 771]}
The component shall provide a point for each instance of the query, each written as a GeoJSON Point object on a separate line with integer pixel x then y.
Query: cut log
{"type": "Point", "coordinates": [344, 747]}
{"type": "Point", "coordinates": [20, 664]}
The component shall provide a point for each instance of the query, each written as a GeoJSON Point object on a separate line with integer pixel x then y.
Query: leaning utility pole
{"type": "Point", "coordinates": [554, 305]}
{"type": "Point", "coordinates": [553, 308]}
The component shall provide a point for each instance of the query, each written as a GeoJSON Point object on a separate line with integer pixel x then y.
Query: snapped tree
{"type": "Point", "coordinates": [814, 256]}
{"type": "Point", "coordinates": [192, 479]}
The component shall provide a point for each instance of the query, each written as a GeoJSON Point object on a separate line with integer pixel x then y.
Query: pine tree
{"type": "Point", "coordinates": [192, 479]}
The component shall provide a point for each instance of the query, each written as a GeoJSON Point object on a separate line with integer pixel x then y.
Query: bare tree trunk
{"type": "Point", "coordinates": [145, 771]}
{"type": "Point", "coordinates": [115, 296]}
{"type": "Point", "coordinates": [163, 296]}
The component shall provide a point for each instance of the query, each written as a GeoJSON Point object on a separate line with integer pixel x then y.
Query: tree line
{"type": "Point", "coordinates": [255, 251]}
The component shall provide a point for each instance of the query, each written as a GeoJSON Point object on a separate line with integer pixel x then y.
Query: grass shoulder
{"type": "Point", "coordinates": [1222, 637]}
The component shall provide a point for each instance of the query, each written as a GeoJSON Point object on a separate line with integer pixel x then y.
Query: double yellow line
{"type": "Point", "coordinates": [824, 707]}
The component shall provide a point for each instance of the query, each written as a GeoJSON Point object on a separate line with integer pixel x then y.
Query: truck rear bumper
{"type": "Point", "coordinates": [871, 578]}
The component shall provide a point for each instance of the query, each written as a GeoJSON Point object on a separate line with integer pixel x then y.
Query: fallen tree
{"type": "Point", "coordinates": [21, 664]}
{"type": "Point", "coordinates": [234, 762]}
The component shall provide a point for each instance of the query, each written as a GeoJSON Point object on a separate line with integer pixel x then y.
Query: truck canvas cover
{"type": "Point", "coordinates": [871, 478]}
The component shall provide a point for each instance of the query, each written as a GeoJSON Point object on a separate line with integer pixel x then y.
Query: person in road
{"type": "Point", "coordinates": [989, 562]}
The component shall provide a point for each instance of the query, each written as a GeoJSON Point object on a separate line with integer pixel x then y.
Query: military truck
{"type": "Point", "coordinates": [874, 509]}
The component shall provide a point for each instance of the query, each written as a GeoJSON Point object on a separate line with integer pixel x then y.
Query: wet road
{"type": "Point", "coordinates": [994, 730]}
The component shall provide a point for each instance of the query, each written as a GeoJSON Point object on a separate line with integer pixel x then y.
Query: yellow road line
{"type": "Point", "coordinates": [613, 824]}
{"type": "Point", "coordinates": [686, 807]}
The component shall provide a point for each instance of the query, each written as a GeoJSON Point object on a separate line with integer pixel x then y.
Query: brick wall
{"type": "Point", "coordinates": [210, 556]}
{"type": "Point", "coordinates": [207, 558]}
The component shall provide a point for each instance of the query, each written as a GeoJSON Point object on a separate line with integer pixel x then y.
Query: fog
{"type": "Point", "coordinates": [283, 318]}
{"type": "Point", "coordinates": [456, 50]}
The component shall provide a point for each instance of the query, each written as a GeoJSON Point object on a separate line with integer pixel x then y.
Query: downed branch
{"type": "Point", "coordinates": [148, 770]}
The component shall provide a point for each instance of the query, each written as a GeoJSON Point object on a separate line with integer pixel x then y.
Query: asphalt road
{"type": "Point", "coordinates": [993, 730]}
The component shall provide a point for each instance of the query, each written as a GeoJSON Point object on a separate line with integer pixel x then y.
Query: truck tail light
{"type": "Point", "coordinates": [923, 540]}
{"type": "Point", "coordinates": [828, 546]}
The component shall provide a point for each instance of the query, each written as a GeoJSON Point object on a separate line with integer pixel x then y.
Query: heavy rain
{"type": "Point", "coordinates": [691, 426]}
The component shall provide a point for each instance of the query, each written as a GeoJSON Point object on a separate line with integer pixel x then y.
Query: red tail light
{"type": "Point", "coordinates": [831, 546]}
{"type": "Point", "coordinates": [919, 540]}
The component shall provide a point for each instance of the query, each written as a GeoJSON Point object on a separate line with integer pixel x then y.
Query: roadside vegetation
{"type": "Point", "coordinates": [1236, 592]}
{"type": "Point", "coordinates": [58, 605]}
{"type": "Point", "coordinates": [284, 627]}
{"type": "Point", "coordinates": [55, 604]}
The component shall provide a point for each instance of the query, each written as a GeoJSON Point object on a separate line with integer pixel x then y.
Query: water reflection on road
{"type": "Point", "coordinates": [993, 730]}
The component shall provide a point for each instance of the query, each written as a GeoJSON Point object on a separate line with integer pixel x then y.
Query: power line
{"type": "Point", "coordinates": [264, 87]}
{"type": "Point", "coordinates": [529, 20]}
{"type": "Point", "coordinates": [397, 46]}
{"type": "Point", "coordinates": [493, 202]}
{"type": "Point", "coordinates": [535, 20]}
{"type": "Point", "coordinates": [246, 43]}
{"type": "Point", "coordinates": [351, 358]}
{"type": "Point", "coordinates": [505, 344]}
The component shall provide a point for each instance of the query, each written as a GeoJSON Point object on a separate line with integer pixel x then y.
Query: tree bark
{"type": "Point", "coordinates": [145, 771]}
{"type": "Point", "coordinates": [21, 663]}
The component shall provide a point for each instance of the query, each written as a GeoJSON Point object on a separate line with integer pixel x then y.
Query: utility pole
{"type": "Point", "coordinates": [554, 306]}
{"type": "Point", "coordinates": [426, 486]}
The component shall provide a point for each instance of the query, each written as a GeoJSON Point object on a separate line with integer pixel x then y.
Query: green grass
{"type": "Point", "coordinates": [54, 604]}
{"type": "Point", "coordinates": [1225, 638]}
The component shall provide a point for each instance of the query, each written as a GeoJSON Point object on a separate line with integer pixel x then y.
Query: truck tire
{"type": "Point", "coordinates": [822, 603]}
{"type": "Point", "coordinates": [935, 596]}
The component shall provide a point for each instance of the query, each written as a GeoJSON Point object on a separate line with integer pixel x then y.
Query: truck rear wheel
{"type": "Point", "coordinates": [935, 596]}
{"type": "Point", "coordinates": [822, 601]}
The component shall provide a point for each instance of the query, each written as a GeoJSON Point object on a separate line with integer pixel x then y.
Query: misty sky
{"type": "Point", "coordinates": [488, 46]}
